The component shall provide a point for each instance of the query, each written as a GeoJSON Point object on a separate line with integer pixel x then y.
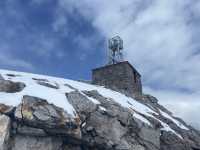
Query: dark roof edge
{"type": "Point", "coordinates": [126, 62]}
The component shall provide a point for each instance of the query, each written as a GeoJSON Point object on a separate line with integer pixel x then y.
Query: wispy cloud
{"type": "Point", "coordinates": [21, 29]}
{"type": "Point", "coordinates": [12, 61]}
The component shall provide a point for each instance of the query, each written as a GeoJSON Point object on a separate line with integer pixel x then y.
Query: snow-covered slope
{"type": "Point", "coordinates": [54, 91]}
{"type": "Point", "coordinates": [58, 98]}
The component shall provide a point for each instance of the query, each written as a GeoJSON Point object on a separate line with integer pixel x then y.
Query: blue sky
{"type": "Point", "coordinates": [68, 38]}
{"type": "Point", "coordinates": [31, 41]}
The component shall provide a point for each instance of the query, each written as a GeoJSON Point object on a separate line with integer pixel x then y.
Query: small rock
{"type": "Point", "coordinates": [47, 84]}
{"type": "Point", "coordinates": [12, 75]}
{"type": "Point", "coordinates": [43, 80]}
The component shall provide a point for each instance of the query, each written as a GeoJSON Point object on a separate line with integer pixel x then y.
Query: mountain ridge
{"type": "Point", "coordinates": [66, 114]}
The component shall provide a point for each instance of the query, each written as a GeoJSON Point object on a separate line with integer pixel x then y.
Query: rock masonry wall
{"type": "Point", "coordinates": [121, 77]}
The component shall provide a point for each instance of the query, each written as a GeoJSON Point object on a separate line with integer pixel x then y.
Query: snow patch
{"type": "Point", "coordinates": [178, 123]}
{"type": "Point", "coordinates": [116, 96]}
{"type": "Point", "coordinates": [54, 96]}
{"type": "Point", "coordinates": [90, 98]}
{"type": "Point", "coordinates": [168, 129]}
{"type": "Point", "coordinates": [102, 108]}
{"type": "Point", "coordinates": [141, 118]}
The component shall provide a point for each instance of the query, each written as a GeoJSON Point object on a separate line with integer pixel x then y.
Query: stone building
{"type": "Point", "coordinates": [121, 76]}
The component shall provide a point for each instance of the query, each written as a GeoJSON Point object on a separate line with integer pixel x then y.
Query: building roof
{"type": "Point", "coordinates": [123, 62]}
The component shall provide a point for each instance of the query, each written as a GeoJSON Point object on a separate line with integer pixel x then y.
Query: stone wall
{"type": "Point", "coordinates": [121, 76]}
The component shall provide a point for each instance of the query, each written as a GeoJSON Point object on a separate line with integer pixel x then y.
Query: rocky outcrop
{"type": "Point", "coordinates": [98, 121]}
{"type": "Point", "coordinates": [171, 142]}
{"type": "Point", "coordinates": [36, 124]}
{"type": "Point", "coordinates": [115, 129]}
{"type": "Point", "coordinates": [128, 132]}
{"type": "Point", "coordinates": [36, 112]}
{"type": "Point", "coordinates": [189, 138]}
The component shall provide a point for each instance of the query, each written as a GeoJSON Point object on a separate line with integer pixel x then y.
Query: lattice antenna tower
{"type": "Point", "coordinates": [115, 50]}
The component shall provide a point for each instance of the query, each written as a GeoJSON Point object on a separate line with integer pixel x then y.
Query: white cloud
{"type": "Point", "coordinates": [60, 24]}
{"type": "Point", "coordinates": [161, 40]}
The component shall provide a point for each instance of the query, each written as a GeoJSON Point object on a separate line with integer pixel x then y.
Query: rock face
{"type": "Point", "coordinates": [1, 78]}
{"type": "Point", "coordinates": [99, 122]}
{"type": "Point", "coordinates": [170, 142]}
{"type": "Point", "coordinates": [104, 130]}
{"type": "Point", "coordinates": [22, 142]}
{"type": "Point", "coordinates": [4, 132]}
{"type": "Point", "coordinates": [117, 126]}
{"type": "Point", "coordinates": [36, 112]}
{"type": "Point", "coordinates": [38, 125]}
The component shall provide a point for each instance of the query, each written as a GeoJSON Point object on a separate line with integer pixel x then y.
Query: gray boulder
{"type": "Point", "coordinates": [11, 87]}
{"type": "Point", "coordinates": [38, 113]}
{"type": "Point", "coordinates": [47, 84]}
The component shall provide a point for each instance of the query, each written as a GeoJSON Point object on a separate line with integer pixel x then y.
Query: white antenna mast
{"type": "Point", "coordinates": [115, 46]}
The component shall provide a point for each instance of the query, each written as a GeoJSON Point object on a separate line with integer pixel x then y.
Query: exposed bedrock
{"type": "Point", "coordinates": [36, 112]}
{"type": "Point", "coordinates": [110, 126]}
{"type": "Point", "coordinates": [103, 124]}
